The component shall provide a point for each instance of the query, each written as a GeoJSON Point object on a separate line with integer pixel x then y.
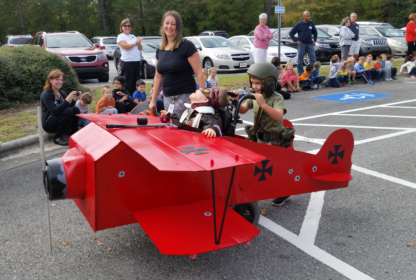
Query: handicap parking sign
{"type": "Point", "coordinates": [353, 96]}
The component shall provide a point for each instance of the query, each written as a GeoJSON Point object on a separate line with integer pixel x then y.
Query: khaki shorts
{"type": "Point", "coordinates": [355, 48]}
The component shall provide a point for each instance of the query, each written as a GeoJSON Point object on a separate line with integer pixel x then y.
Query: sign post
{"type": "Point", "coordinates": [279, 10]}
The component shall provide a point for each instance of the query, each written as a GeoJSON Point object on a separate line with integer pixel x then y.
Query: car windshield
{"type": "Point", "coordinates": [20, 41]}
{"type": "Point", "coordinates": [216, 43]}
{"type": "Point", "coordinates": [361, 32]}
{"type": "Point", "coordinates": [149, 47]}
{"type": "Point", "coordinates": [67, 41]}
{"type": "Point", "coordinates": [389, 32]}
{"type": "Point", "coordinates": [322, 34]}
{"type": "Point", "coordinates": [108, 41]}
{"type": "Point", "coordinates": [272, 43]}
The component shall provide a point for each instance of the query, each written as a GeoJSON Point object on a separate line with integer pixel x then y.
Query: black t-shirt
{"type": "Point", "coordinates": [175, 68]}
{"type": "Point", "coordinates": [355, 28]}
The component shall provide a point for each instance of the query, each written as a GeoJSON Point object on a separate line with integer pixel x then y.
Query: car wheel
{"type": "Point", "coordinates": [208, 63]}
{"type": "Point", "coordinates": [145, 71]}
{"type": "Point", "coordinates": [104, 79]}
{"type": "Point", "coordinates": [118, 66]}
{"type": "Point", "coordinates": [389, 51]}
{"type": "Point", "coordinates": [306, 60]}
{"type": "Point", "coordinates": [249, 211]}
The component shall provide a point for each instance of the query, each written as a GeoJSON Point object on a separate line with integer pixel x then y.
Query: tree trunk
{"type": "Point", "coordinates": [100, 2]}
{"type": "Point", "coordinates": [21, 16]}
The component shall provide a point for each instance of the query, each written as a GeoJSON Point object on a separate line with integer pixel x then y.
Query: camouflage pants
{"type": "Point", "coordinates": [179, 102]}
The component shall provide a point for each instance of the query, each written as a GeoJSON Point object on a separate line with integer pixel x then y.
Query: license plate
{"type": "Point", "coordinates": [110, 52]}
{"type": "Point", "coordinates": [114, 48]}
{"type": "Point", "coordinates": [243, 65]}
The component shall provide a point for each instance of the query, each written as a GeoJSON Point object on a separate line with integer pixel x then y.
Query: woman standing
{"type": "Point", "coordinates": [130, 47]}
{"type": "Point", "coordinates": [262, 36]}
{"type": "Point", "coordinates": [345, 37]}
{"type": "Point", "coordinates": [176, 61]}
{"type": "Point", "coordinates": [411, 35]}
{"type": "Point", "coordinates": [58, 109]}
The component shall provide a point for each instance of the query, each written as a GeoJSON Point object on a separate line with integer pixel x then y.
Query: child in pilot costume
{"type": "Point", "coordinates": [202, 113]}
{"type": "Point", "coordinates": [268, 109]}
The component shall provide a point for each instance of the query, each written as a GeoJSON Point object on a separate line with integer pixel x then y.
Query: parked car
{"type": "Point", "coordinates": [148, 57]}
{"type": "Point", "coordinates": [373, 45]}
{"type": "Point", "coordinates": [215, 33]}
{"type": "Point", "coordinates": [83, 56]}
{"type": "Point", "coordinates": [396, 40]}
{"type": "Point", "coordinates": [287, 54]}
{"type": "Point", "coordinates": [107, 44]}
{"type": "Point", "coordinates": [16, 40]}
{"type": "Point", "coordinates": [218, 52]}
{"type": "Point", "coordinates": [325, 47]}
{"type": "Point", "coordinates": [373, 23]}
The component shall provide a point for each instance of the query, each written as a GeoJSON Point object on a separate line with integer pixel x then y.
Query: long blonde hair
{"type": "Point", "coordinates": [54, 74]}
{"type": "Point", "coordinates": [177, 40]}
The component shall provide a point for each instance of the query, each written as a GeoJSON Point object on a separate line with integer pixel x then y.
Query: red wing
{"type": "Point", "coordinates": [189, 229]}
{"type": "Point", "coordinates": [177, 150]}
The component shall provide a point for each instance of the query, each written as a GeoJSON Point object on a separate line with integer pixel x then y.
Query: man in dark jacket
{"type": "Point", "coordinates": [305, 29]}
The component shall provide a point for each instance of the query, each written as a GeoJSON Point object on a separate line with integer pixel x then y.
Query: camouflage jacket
{"type": "Point", "coordinates": [267, 123]}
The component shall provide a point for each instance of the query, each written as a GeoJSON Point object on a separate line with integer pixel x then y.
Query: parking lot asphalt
{"type": "Point", "coordinates": [358, 232]}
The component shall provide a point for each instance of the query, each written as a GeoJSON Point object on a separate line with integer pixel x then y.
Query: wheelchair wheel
{"type": "Point", "coordinates": [249, 211]}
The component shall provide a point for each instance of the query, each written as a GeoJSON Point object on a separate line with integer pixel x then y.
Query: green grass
{"type": "Point", "coordinates": [15, 125]}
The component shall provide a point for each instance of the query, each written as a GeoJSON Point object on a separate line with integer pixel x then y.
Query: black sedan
{"type": "Point", "coordinates": [148, 57]}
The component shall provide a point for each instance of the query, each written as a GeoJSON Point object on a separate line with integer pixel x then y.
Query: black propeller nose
{"type": "Point", "coordinates": [54, 179]}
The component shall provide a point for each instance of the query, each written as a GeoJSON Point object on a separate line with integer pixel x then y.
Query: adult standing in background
{"type": "Point", "coordinates": [130, 47]}
{"type": "Point", "coordinates": [411, 35]}
{"type": "Point", "coordinates": [305, 29]}
{"type": "Point", "coordinates": [355, 44]}
{"type": "Point", "coordinates": [262, 36]}
{"type": "Point", "coordinates": [176, 61]}
{"type": "Point", "coordinates": [345, 38]}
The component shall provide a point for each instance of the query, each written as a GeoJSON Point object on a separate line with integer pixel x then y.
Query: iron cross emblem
{"type": "Point", "coordinates": [263, 171]}
{"type": "Point", "coordinates": [190, 149]}
{"type": "Point", "coordinates": [336, 154]}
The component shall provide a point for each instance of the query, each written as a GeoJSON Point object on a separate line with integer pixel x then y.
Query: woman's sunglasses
{"type": "Point", "coordinates": [126, 25]}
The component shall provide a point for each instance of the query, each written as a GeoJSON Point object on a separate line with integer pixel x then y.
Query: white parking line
{"type": "Point", "coordinates": [378, 116]}
{"type": "Point", "coordinates": [384, 136]}
{"type": "Point", "coordinates": [310, 223]}
{"type": "Point", "coordinates": [384, 176]}
{"type": "Point", "coordinates": [400, 107]}
{"type": "Point", "coordinates": [354, 126]}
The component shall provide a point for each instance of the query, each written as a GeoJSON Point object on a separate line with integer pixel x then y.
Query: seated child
{"type": "Point", "coordinates": [342, 75]}
{"type": "Point", "coordinates": [375, 74]}
{"type": "Point", "coordinates": [159, 101]}
{"type": "Point", "coordinates": [290, 78]}
{"type": "Point", "coordinates": [82, 104]}
{"type": "Point", "coordinates": [124, 100]}
{"type": "Point", "coordinates": [268, 109]}
{"type": "Point", "coordinates": [410, 66]}
{"type": "Point", "coordinates": [378, 66]}
{"type": "Point", "coordinates": [351, 72]}
{"type": "Point", "coordinates": [388, 65]}
{"type": "Point", "coordinates": [140, 95]}
{"type": "Point", "coordinates": [306, 78]}
{"type": "Point", "coordinates": [213, 79]}
{"type": "Point", "coordinates": [107, 104]}
{"type": "Point", "coordinates": [201, 112]}
{"type": "Point", "coordinates": [207, 85]}
{"type": "Point", "coordinates": [333, 71]}
{"type": "Point", "coordinates": [279, 89]}
{"type": "Point", "coordinates": [317, 80]}
{"type": "Point", "coordinates": [362, 71]}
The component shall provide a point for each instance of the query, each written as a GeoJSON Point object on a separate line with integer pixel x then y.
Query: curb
{"type": "Point", "coordinates": [17, 144]}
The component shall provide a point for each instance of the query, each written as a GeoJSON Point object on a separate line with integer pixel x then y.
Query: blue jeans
{"type": "Point", "coordinates": [310, 50]}
{"type": "Point", "coordinates": [334, 82]}
{"type": "Point", "coordinates": [159, 104]}
{"type": "Point", "coordinates": [375, 74]}
{"type": "Point", "coordinates": [318, 80]}
{"type": "Point", "coordinates": [412, 72]}
{"type": "Point", "coordinates": [82, 122]}
{"type": "Point", "coordinates": [343, 79]}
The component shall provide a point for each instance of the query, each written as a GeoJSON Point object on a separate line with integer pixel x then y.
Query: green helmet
{"type": "Point", "coordinates": [265, 71]}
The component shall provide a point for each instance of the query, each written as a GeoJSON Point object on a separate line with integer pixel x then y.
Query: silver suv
{"type": "Point", "coordinates": [396, 40]}
{"type": "Point", "coordinates": [107, 44]}
{"type": "Point", "coordinates": [16, 40]}
{"type": "Point", "coordinates": [218, 52]}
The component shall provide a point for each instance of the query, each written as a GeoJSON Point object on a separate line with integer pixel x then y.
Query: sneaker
{"type": "Point", "coordinates": [306, 88]}
{"type": "Point", "coordinates": [320, 86]}
{"type": "Point", "coordinates": [394, 78]}
{"type": "Point", "coordinates": [354, 82]}
{"type": "Point", "coordinates": [371, 82]}
{"type": "Point", "coordinates": [315, 86]}
{"type": "Point", "coordinates": [342, 84]}
{"type": "Point", "coordinates": [413, 77]}
{"type": "Point", "coordinates": [61, 141]}
{"type": "Point", "coordinates": [280, 200]}
{"type": "Point", "coordinates": [350, 82]}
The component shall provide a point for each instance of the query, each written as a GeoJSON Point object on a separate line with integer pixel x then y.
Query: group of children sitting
{"type": "Point", "coordinates": [343, 73]}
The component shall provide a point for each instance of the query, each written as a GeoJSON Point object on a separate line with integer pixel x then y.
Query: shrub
{"type": "Point", "coordinates": [23, 72]}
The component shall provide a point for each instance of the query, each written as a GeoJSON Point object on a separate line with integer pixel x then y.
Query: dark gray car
{"type": "Point", "coordinates": [373, 45]}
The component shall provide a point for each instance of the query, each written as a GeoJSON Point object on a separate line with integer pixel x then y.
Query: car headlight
{"type": "Point", "coordinates": [368, 42]}
{"type": "Point", "coordinates": [322, 45]}
{"type": "Point", "coordinates": [399, 43]}
{"type": "Point", "coordinates": [222, 56]}
{"type": "Point", "coordinates": [100, 56]}
{"type": "Point", "coordinates": [64, 57]}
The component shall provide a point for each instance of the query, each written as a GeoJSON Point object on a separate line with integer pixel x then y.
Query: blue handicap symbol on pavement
{"type": "Point", "coordinates": [353, 96]}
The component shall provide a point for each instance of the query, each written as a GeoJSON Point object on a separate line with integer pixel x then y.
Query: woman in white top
{"type": "Point", "coordinates": [130, 47]}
